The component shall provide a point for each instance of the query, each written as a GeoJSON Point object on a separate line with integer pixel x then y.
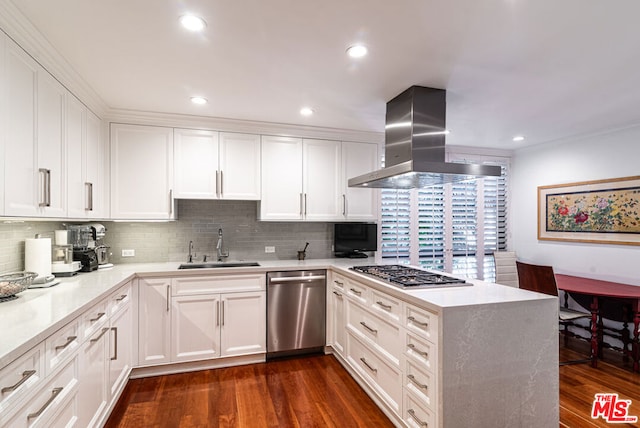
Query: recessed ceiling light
{"type": "Point", "coordinates": [306, 111]}
{"type": "Point", "coordinates": [357, 51]}
{"type": "Point", "coordinates": [199, 100]}
{"type": "Point", "coordinates": [518, 138]}
{"type": "Point", "coordinates": [192, 22]}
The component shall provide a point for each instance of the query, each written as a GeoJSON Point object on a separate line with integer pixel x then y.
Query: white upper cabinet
{"type": "Point", "coordinates": [94, 173]}
{"type": "Point", "coordinates": [282, 196]}
{"type": "Point", "coordinates": [321, 180]}
{"type": "Point", "coordinates": [357, 159]}
{"type": "Point", "coordinates": [239, 166]}
{"type": "Point", "coordinates": [212, 165]}
{"type": "Point", "coordinates": [141, 172]}
{"type": "Point", "coordinates": [3, 109]}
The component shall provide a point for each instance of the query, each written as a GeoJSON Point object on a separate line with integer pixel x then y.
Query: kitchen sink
{"type": "Point", "coordinates": [215, 265]}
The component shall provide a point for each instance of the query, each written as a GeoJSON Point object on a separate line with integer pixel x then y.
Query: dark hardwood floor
{"type": "Point", "coordinates": [317, 392]}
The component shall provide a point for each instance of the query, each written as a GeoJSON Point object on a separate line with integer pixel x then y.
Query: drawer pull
{"type": "Point", "coordinates": [415, 321]}
{"type": "Point", "coordinates": [54, 393]}
{"type": "Point", "coordinates": [338, 283]}
{"type": "Point", "coordinates": [121, 298]}
{"type": "Point", "coordinates": [104, 330]}
{"type": "Point", "coordinates": [372, 330]}
{"type": "Point", "coordinates": [70, 340]}
{"type": "Point", "coordinates": [356, 292]}
{"type": "Point", "coordinates": [100, 315]}
{"type": "Point", "coordinates": [373, 369]}
{"type": "Point", "coordinates": [413, 379]}
{"type": "Point", "coordinates": [412, 413]}
{"type": "Point", "coordinates": [383, 306]}
{"type": "Point", "coordinates": [415, 349]}
{"type": "Point", "coordinates": [337, 294]}
{"type": "Point", "coordinates": [25, 375]}
{"type": "Point", "coordinates": [115, 343]}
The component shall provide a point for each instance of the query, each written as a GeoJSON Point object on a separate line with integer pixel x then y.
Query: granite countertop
{"type": "Point", "coordinates": [37, 313]}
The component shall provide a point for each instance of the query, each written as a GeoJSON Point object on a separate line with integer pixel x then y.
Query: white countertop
{"type": "Point", "coordinates": [37, 313]}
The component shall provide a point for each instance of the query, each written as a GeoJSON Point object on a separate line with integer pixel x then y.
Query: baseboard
{"type": "Point", "coordinates": [192, 366]}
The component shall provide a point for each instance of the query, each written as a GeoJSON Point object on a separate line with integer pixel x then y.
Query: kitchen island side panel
{"type": "Point", "coordinates": [500, 365]}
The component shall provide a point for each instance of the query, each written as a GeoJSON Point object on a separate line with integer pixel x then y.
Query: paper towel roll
{"type": "Point", "coordinates": [61, 237]}
{"type": "Point", "coordinates": [37, 256]}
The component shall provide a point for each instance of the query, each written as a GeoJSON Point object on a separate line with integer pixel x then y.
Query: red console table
{"type": "Point", "coordinates": [602, 293]}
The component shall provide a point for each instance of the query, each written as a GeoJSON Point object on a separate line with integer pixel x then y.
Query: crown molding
{"type": "Point", "coordinates": [235, 125]}
{"type": "Point", "coordinates": [15, 25]}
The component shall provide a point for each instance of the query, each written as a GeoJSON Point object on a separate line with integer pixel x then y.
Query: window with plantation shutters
{"type": "Point", "coordinates": [451, 227]}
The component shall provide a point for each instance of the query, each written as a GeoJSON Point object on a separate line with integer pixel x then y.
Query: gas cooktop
{"type": "Point", "coordinates": [410, 278]}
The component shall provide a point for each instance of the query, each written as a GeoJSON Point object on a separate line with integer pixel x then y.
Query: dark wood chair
{"type": "Point", "coordinates": [542, 280]}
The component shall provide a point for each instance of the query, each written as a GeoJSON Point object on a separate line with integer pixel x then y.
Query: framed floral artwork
{"type": "Point", "coordinates": [602, 211]}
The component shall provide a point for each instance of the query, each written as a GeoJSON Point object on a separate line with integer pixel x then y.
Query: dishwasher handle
{"type": "Point", "coordinates": [297, 278]}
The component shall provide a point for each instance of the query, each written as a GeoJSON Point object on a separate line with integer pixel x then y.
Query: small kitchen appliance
{"type": "Point", "coordinates": [98, 232]}
{"type": "Point", "coordinates": [83, 242]}
{"type": "Point", "coordinates": [410, 278]}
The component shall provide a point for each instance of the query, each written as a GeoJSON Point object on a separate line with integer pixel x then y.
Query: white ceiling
{"type": "Point", "coordinates": [547, 69]}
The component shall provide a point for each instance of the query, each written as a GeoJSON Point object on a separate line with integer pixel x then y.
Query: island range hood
{"type": "Point", "coordinates": [415, 145]}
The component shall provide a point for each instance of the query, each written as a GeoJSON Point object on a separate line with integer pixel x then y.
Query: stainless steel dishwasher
{"type": "Point", "coordinates": [296, 307]}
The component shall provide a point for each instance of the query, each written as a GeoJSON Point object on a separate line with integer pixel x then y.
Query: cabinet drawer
{"type": "Point", "coordinates": [208, 284]}
{"type": "Point", "coordinates": [61, 345]}
{"type": "Point", "coordinates": [40, 410]}
{"type": "Point", "coordinates": [421, 383]}
{"type": "Point", "coordinates": [383, 377]}
{"type": "Point", "coordinates": [339, 281]}
{"type": "Point", "coordinates": [415, 415]}
{"type": "Point", "coordinates": [386, 306]}
{"type": "Point", "coordinates": [120, 299]}
{"type": "Point", "coordinates": [381, 334]}
{"type": "Point", "coordinates": [422, 352]}
{"type": "Point", "coordinates": [21, 377]}
{"type": "Point", "coordinates": [421, 322]}
{"type": "Point", "coordinates": [93, 319]}
{"type": "Point", "coordinates": [357, 292]}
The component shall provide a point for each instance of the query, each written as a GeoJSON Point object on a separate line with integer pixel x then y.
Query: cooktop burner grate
{"type": "Point", "coordinates": [408, 277]}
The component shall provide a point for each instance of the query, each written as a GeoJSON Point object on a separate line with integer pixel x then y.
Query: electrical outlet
{"type": "Point", "coordinates": [269, 249]}
{"type": "Point", "coordinates": [128, 253]}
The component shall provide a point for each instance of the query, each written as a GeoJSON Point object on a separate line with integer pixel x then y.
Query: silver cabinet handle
{"type": "Point", "coordinates": [415, 349]}
{"type": "Point", "coordinates": [115, 343]}
{"type": "Point", "coordinates": [297, 278]}
{"type": "Point", "coordinates": [372, 330]}
{"type": "Point", "coordinates": [217, 313]}
{"type": "Point", "coordinates": [356, 292]}
{"type": "Point", "coordinates": [412, 413]}
{"type": "Point", "coordinates": [46, 187]}
{"type": "Point", "coordinates": [25, 375]}
{"type": "Point", "coordinates": [305, 204]}
{"type": "Point", "coordinates": [168, 290]}
{"type": "Point", "coordinates": [344, 204]}
{"type": "Point", "coordinates": [100, 315]}
{"type": "Point", "coordinates": [415, 321]}
{"type": "Point", "coordinates": [301, 208]}
{"type": "Point", "coordinates": [383, 306]}
{"type": "Point", "coordinates": [221, 184]}
{"type": "Point", "coordinates": [121, 298]}
{"type": "Point", "coordinates": [338, 283]}
{"type": "Point", "coordinates": [104, 330]}
{"type": "Point", "coordinates": [54, 394]}
{"type": "Point", "coordinates": [70, 340]}
{"type": "Point", "coordinates": [170, 201]}
{"type": "Point", "coordinates": [337, 294]}
{"type": "Point", "coordinates": [413, 379]}
{"type": "Point", "coordinates": [217, 183]}
{"type": "Point", "coordinates": [89, 204]}
{"type": "Point", "coordinates": [223, 313]}
{"type": "Point", "coordinates": [373, 369]}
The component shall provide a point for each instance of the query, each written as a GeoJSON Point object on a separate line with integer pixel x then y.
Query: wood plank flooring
{"type": "Point", "coordinates": [317, 392]}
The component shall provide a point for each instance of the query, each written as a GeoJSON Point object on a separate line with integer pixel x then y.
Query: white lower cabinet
{"type": "Point", "coordinates": [201, 318]}
{"type": "Point", "coordinates": [93, 380]}
{"type": "Point", "coordinates": [120, 340]}
{"type": "Point", "coordinates": [336, 317]}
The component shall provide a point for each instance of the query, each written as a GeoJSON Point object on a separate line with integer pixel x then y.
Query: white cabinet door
{"type": "Point", "coordinates": [195, 327]}
{"type": "Point", "coordinates": [196, 164]}
{"type": "Point", "coordinates": [154, 321]}
{"type": "Point", "coordinates": [243, 319]}
{"type": "Point", "coordinates": [94, 173]}
{"type": "Point", "coordinates": [321, 180]}
{"type": "Point", "coordinates": [337, 320]}
{"type": "Point", "coordinates": [20, 170]}
{"type": "Point", "coordinates": [281, 179]}
{"type": "Point", "coordinates": [120, 344]}
{"type": "Point", "coordinates": [93, 378]}
{"type": "Point", "coordinates": [357, 159]}
{"type": "Point", "coordinates": [141, 172]}
{"type": "Point", "coordinates": [3, 113]}
{"type": "Point", "coordinates": [75, 135]}
{"type": "Point", "coordinates": [239, 166]}
{"type": "Point", "coordinates": [50, 146]}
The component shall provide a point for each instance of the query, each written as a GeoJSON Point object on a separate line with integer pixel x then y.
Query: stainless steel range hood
{"type": "Point", "coordinates": [414, 145]}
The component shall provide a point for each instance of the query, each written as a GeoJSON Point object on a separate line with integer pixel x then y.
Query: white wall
{"type": "Point", "coordinates": [611, 155]}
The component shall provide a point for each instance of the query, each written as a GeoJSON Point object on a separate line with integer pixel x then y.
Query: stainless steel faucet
{"type": "Point", "coordinates": [191, 252]}
{"type": "Point", "coordinates": [222, 254]}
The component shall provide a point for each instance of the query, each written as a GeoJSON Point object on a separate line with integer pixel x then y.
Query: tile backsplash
{"type": "Point", "coordinates": [244, 236]}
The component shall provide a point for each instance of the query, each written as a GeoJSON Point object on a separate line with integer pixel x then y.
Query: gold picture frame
{"type": "Point", "coordinates": [600, 211]}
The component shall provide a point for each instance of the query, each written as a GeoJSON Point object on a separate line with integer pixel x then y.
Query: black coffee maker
{"type": "Point", "coordinates": [80, 236]}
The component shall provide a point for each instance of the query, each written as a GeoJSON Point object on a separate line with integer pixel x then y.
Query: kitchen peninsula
{"type": "Point", "coordinates": [479, 355]}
